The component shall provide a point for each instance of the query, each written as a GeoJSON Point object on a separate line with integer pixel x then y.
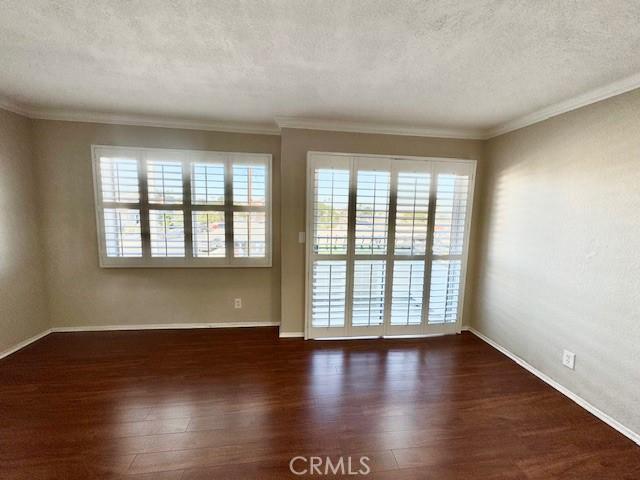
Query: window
{"type": "Point", "coordinates": [182, 208]}
{"type": "Point", "coordinates": [388, 244]}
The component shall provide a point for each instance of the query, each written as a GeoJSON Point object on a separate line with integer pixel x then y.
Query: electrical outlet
{"type": "Point", "coordinates": [568, 359]}
{"type": "Point", "coordinates": [302, 237]}
{"type": "Point", "coordinates": [237, 303]}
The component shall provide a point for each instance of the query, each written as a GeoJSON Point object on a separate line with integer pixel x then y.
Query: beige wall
{"type": "Point", "coordinates": [82, 294]}
{"type": "Point", "coordinates": [559, 257]}
{"type": "Point", "coordinates": [22, 292]}
{"type": "Point", "coordinates": [295, 145]}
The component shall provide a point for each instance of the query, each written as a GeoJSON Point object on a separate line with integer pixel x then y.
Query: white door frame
{"type": "Point", "coordinates": [350, 161]}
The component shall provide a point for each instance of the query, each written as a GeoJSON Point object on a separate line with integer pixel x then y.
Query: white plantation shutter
{"type": "Point", "coordinates": [368, 292]}
{"type": "Point", "coordinates": [208, 190]}
{"type": "Point", "coordinates": [388, 244]}
{"type": "Point", "coordinates": [164, 182]}
{"type": "Point", "coordinates": [330, 206]}
{"type": "Point", "coordinates": [329, 286]}
{"type": "Point", "coordinates": [207, 183]}
{"type": "Point", "coordinates": [452, 196]}
{"type": "Point", "coordinates": [182, 208]}
{"type": "Point", "coordinates": [445, 289]}
{"type": "Point", "coordinates": [167, 205]}
{"type": "Point", "coordinates": [249, 234]}
{"type": "Point", "coordinates": [372, 212]}
{"type": "Point", "coordinates": [407, 291]}
{"type": "Point", "coordinates": [411, 213]}
{"type": "Point", "coordinates": [167, 233]}
{"type": "Point", "coordinates": [119, 176]}
{"type": "Point", "coordinates": [451, 211]}
{"type": "Point", "coordinates": [250, 228]}
{"type": "Point", "coordinates": [367, 262]}
{"type": "Point", "coordinates": [249, 185]}
{"type": "Point", "coordinates": [208, 232]}
{"type": "Point", "coordinates": [119, 215]}
{"type": "Point", "coordinates": [413, 187]}
{"type": "Point", "coordinates": [122, 232]}
{"type": "Point", "coordinates": [328, 213]}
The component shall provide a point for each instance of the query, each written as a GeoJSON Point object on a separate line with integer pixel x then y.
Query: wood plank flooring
{"type": "Point", "coordinates": [240, 403]}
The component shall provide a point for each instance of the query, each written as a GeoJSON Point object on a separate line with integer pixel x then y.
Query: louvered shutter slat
{"type": "Point", "coordinates": [450, 216]}
{"type": "Point", "coordinates": [330, 213]}
{"type": "Point", "coordinates": [166, 229]}
{"type": "Point", "coordinates": [368, 292]}
{"type": "Point", "coordinates": [207, 183]}
{"type": "Point", "coordinates": [208, 232]}
{"type": "Point", "coordinates": [122, 232]}
{"type": "Point", "coordinates": [164, 181]}
{"type": "Point", "coordinates": [249, 234]}
{"type": "Point", "coordinates": [372, 212]}
{"type": "Point", "coordinates": [449, 235]}
{"type": "Point", "coordinates": [329, 287]}
{"type": "Point", "coordinates": [406, 296]}
{"type": "Point", "coordinates": [412, 207]}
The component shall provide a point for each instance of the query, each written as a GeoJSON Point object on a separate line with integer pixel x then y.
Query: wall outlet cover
{"type": "Point", "coordinates": [568, 359]}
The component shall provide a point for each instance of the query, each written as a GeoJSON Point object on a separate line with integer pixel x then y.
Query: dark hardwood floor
{"type": "Point", "coordinates": [240, 403]}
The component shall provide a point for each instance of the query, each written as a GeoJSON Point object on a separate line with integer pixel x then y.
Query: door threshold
{"type": "Point", "coordinates": [373, 337]}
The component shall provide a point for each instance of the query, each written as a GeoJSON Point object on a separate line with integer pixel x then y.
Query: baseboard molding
{"type": "Point", "coordinates": [24, 343]}
{"type": "Point", "coordinates": [163, 326]}
{"type": "Point", "coordinates": [291, 334]}
{"type": "Point", "coordinates": [627, 432]}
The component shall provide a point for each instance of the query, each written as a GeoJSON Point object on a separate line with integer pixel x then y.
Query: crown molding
{"type": "Point", "coordinates": [377, 128]}
{"type": "Point", "coordinates": [592, 96]}
{"type": "Point", "coordinates": [596, 95]}
{"type": "Point", "coordinates": [135, 120]}
{"type": "Point", "coordinates": [144, 121]}
{"type": "Point", "coordinates": [11, 106]}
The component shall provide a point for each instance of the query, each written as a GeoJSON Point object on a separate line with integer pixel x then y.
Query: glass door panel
{"type": "Point", "coordinates": [407, 292]}
{"type": "Point", "coordinates": [368, 293]}
{"type": "Point", "coordinates": [368, 253]}
{"type": "Point", "coordinates": [411, 200]}
{"type": "Point", "coordinates": [450, 231]}
{"type": "Point", "coordinates": [327, 215]}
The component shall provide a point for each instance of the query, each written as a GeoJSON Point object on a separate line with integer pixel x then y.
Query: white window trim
{"type": "Point", "coordinates": [186, 157]}
{"type": "Point", "coordinates": [452, 164]}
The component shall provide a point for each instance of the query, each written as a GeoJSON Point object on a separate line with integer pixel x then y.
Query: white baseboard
{"type": "Point", "coordinates": [163, 326]}
{"type": "Point", "coordinates": [24, 343]}
{"type": "Point", "coordinates": [291, 334]}
{"type": "Point", "coordinates": [627, 432]}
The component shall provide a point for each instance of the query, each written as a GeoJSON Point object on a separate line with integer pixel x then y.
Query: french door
{"type": "Point", "coordinates": [386, 244]}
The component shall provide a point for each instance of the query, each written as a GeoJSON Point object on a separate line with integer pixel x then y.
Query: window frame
{"type": "Point", "coordinates": [186, 158]}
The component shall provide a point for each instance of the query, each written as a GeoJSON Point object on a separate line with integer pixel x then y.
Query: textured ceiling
{"type": "Point", "coordinates": [471, 64]}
